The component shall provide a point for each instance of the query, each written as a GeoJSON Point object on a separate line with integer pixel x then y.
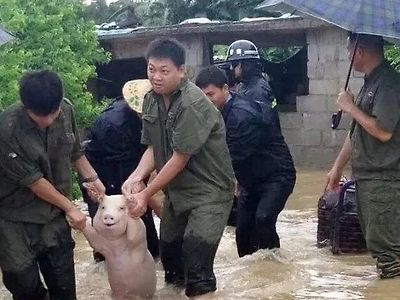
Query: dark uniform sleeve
{"type": "Point", "coordinates": [242, 134]}
{"type": "Point", "coordinates": [386, 110]}
{"type": "Point", "coordinates": [16, 167]}
{"type": "Point", "coordinates": [193, 126]}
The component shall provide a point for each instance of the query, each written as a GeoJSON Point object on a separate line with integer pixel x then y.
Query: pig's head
{"type": "Point", "coordinates": [111, 218]}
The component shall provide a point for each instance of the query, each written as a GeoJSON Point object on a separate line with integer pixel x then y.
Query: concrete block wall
{"type": "Point", "coordinates": [308, 131]}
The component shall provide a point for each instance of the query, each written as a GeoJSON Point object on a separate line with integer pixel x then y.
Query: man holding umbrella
{"type": "Point", "coordinates": [373, 146]}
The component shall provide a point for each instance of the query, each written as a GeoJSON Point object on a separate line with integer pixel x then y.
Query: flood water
{"type": "Point", "coordinates": [299, 270]}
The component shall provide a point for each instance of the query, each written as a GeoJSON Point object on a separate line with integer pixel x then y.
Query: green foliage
{"type": "Point", "coordinates": [53, 35]}
{"type": "Point", "coordinates": [162, 12]}
{"type": "Point", "coordinates": [76, 190]}
{"type": "Point", "coordinates": [392, 54]}
{"type": "Point", "coordinates": [279, 54]}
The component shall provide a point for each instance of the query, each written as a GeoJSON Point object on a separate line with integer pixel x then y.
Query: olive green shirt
{"type": "Point", "coordinates": [27, 154]}
{"type": "Point", "coordinates": [379, 98]}
{"type": "Point", "coordinates": [192, 125]}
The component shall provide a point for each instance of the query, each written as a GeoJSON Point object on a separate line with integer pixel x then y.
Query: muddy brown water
{"type": "Point", "coordinates": [299, 270]}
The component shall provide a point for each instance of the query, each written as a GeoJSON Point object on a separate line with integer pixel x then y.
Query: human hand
{"type": "Point", "coordinates": [137, 204]}
{"type": "Point", "coordinates": [345, 100]}
{"type": "Point", "coordinates": [332, 179]}
{"type": "Point", "coordinates": [132, 186]}
{"type": "Point", "coordinates": [75, 218]}
{"type": "Point", "coordinates": [95, 189]}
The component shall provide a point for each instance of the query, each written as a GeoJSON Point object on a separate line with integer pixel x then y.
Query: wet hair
{"type": "Point", "coordinates": [41, 91]}
{"type": "Point", "coordinates": [167, 48]}
{"type": "Point", "coordinates": [251, 68]}
{"type": "Point", "coordinates": [367, 41]}
{"type": "Point", "coordinates": [211, 75]}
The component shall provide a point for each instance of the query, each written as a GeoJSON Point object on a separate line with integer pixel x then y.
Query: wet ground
{"type": "Point", "coordinates": [299, 270]}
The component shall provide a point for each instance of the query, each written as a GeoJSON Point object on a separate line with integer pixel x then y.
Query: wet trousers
{"type": "Point", "coordinates": [379, 214]}
{"type": "Point", "coordinates": [26, 248]}
{"type": "Point", "coordinates": [188, 244]}
{"type": "Point", "coordinates": [257, 212]}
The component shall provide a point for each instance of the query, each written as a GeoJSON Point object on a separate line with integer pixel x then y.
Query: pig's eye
{"type": "Point", "coordinates": [103, 207]}
{"type": "Point", "coordinates": [122, 208]}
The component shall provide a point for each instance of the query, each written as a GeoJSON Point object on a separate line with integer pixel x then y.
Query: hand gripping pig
{"type": "Point", "coordinates": [122, 241]}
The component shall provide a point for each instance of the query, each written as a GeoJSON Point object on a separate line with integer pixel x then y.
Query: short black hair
{"type": "Point", "coordinates": [367, 41]}
{"type": "Point", "coordinates": [211, 75]}
{"type": "Point", "coordinates": [167, 48]}
{"type": "Point", "coordinates": [41, 91]}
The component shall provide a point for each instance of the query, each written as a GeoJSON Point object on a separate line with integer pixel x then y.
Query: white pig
{"type": "Point", "coordinates": [122, 240]}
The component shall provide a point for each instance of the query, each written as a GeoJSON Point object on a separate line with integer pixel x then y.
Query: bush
{"type": "Point", "coordinates": [52, 35]}
{"type": "Point", "coordinates": [392, 54]}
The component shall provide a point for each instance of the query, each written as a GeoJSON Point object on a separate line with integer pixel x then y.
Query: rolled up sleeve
{"type": "Point", "coordinates": [386, 110]}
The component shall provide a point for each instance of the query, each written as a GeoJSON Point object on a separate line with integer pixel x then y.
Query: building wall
{"type": "Point", "coordinates": [308, 133]}
{"type": "Point", "coordinates": [196, 51]}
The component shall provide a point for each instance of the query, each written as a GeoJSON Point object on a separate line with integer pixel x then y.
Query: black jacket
{"type": "Point", "coordinates": [258, 150]}
{"type": "Point", "coordinates": [113, 144]}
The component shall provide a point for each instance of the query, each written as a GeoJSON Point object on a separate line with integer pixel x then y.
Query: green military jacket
{"type": "Point", "coordinates": [192, 125]}
{"type": "Point", "coordinates": [379, 98]}
{"type": "Point", "coordinates": [27, 154]}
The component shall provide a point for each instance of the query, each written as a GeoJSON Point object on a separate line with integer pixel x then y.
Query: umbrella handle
{"type": "Point", "coordinates": [336, 117]}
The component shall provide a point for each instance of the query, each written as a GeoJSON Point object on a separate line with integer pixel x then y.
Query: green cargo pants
{"type": "Point", "coordinates": [188, 244]}
{"type": "Point", "coordinates": [26, 247]}
{"type": "Point", "coordinates": [379, 215]}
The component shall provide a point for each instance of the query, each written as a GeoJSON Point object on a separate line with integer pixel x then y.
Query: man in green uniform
{"type": "Point", "coordinates": [38, 142]}
{"type": "Point", "coordinates": [185, 135]}
{"type": "Point", "coordinates": [373, 145]}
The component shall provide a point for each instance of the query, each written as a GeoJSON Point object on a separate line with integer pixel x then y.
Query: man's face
{"type": "Point", "coordinates": [164, 76]}
{"type": "Point", "coordinates": [357, 57]}
{"type": "Point", "coordinates": [236, 68]}
{"type": "Point", "coordinates": [217, 95]}
{"type": "Point", "coordinates": [44, 121]}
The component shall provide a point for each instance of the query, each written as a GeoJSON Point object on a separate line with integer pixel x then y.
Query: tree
{"type": "Point", "coordinates": [53, 35]}
{"type": "Point", "coordinates": [393, 55]}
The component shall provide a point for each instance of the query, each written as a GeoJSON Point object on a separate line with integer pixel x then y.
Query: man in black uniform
{"type": "Point", "coordinates": [261, 159]}
{"type": "Point", "coordinates": [114, 150]}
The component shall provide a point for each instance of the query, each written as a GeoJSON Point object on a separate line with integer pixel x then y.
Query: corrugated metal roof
{"type": "Point", "coordinates": [291, 23]}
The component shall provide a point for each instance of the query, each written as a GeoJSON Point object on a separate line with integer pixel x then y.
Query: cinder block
{"type": "Point", "coordinates": [292, 136]}
{"type": "Point", "coordinates": [323, 87]}
{"type": "Point", "coordinates": [320, 121]}
{"type": "Point", "coordinates": [291, 120]}
{"type": "Point", "coordinates": [312, 103]}
{"type": "Point", "coordinates": [315, 70]}
{"type": "Point", "coordinates": [334, 138]}
{"type": "Point", "coordinates": [302, 137]}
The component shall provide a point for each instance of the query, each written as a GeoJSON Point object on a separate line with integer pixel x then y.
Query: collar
{"type": "Point", "coordinates": [227, 107]}
{"type": "Point", "coordinates": [376, 72]}
{"type": "Point", "coordinates": [26, 122]}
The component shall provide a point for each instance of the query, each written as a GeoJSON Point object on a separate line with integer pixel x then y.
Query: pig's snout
{"type": "Point", "coordinates": [109, 219]}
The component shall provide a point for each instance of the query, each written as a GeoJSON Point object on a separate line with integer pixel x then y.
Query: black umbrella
{"type": "Point", "coordinates": [376, 17]}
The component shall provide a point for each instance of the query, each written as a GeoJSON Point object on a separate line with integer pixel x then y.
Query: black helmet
{"type": "Point", "coordinates": [242, 49]}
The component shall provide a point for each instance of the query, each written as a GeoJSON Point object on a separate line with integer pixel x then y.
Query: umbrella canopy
{"type": "Point", "coordinates": [5, 37]}
{"type": "Point", "coordinates": [378, 17]}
